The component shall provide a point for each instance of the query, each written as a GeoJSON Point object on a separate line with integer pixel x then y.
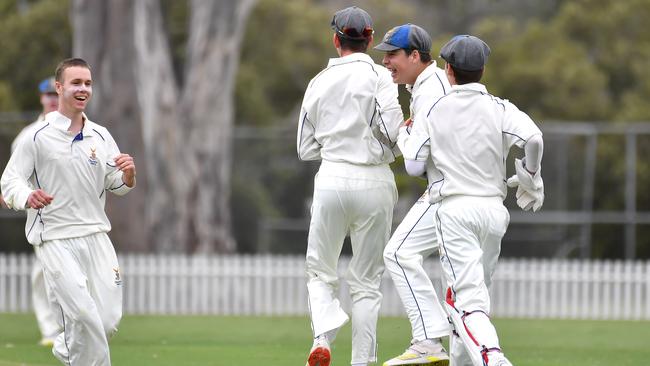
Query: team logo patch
{"type": "Point", "coordinates": [92, 159]}
{"type": "Point", "coordinates": [118, 278]}
{"type": "Point", "coordinates": [389, 35]}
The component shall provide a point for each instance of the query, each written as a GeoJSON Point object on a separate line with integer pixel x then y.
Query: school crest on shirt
{"type": "Point", "coordinates": [118, 278]}
{"type": "Point", "coordinates": [92, 159]}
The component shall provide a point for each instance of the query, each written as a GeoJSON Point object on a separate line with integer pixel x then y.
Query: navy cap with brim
{"type": "Point", "coordinates": [386, 47]}
{"type": "Point", "coordinates": [466, 53]}
{"type": "Point", "coordinates": [352, 23]}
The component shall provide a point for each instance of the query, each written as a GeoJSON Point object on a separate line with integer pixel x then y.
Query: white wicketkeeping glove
{"type": "Point", "coordinates": [530, 188]}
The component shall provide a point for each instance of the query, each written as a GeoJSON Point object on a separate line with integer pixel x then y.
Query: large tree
{"type": "Point", "coordinates": [180, 134]}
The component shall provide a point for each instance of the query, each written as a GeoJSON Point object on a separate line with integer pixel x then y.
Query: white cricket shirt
{"type": "Point", "coordinates": [76, 170]}
{"type": "Point", "coordinates": [468, 135]}
{"type": "Point", "coordinates": [429, 86]}
{"type": "Point", "coordinates": [350, 113]}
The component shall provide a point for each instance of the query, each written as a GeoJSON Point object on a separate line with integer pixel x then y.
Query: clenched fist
{"type": "Point", "coordinates": [125, 163]}
{"type": "Point", "coordinates": [39, 199]}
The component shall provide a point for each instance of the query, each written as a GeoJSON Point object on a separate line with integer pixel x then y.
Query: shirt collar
{"type": "Point", "coordinates": [357, 56]}
{"type": "Point", "coordinates": [475, 87]}
{"type": "Point", "coordinates": [424, 75]}
{"type": "Point", "coordinates": [62, 123]}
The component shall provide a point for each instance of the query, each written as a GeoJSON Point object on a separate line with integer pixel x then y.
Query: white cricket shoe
{"type": "Point", "coordinates": [427, 352]}
{"type": "Point", "coordinates": [498, 359]}
{"type": "Point", "coordinates": [319, 355]}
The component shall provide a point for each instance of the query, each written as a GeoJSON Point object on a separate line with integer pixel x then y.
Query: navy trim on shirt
{"type": "Point", "coordinates": [421, 146]}
{"type": "Point", "coordinates": [100, 135]}
{"type": "Point", "coordinates": [441, 83]}
{"type": "Point", "coordinates": [515, 135]}
{"type": "Point", "coordinates": [39, 130]}
{"type": "Point", "coordinates": [118, 187]}
{"type": "Point", "coordinates": [436, 103]}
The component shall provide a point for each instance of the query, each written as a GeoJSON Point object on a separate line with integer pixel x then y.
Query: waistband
{"type": "Point", "coordinates": [468, 200]}
{"type": "Point", "coordinates": [348, 170]}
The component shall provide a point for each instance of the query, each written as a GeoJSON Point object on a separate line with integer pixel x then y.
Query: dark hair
{"type": "Point", "coordinates": [68, 62]}
{"type": "Point", "coordinates": [354, 45]}
{"type": "Point", "coordinates": [425, 57]}
{"type": "Point", "coordinates": [466, 77]}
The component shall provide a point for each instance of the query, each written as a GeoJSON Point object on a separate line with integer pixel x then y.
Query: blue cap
{"type": "Point", "coordinates": [47, 86]}
{"type": "Point", "coordinates": [408, 37]}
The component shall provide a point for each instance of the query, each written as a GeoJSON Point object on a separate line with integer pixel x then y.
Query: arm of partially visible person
{"type": "Point", "coordinates": [16, 190]}
{"type": "Point", "coordinates": [389, 116]}
{"type": "Point", "coordinates": [414, 141]}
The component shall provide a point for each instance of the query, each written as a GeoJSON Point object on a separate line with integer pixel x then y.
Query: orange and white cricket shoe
{"type": "Point", "coordinates": [320, 352]}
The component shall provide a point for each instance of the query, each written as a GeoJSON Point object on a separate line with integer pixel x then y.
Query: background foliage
{"type": "Point", "coordinates": [582, 60]}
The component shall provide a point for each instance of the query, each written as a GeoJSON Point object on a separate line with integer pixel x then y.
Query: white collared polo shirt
{"type": "Point", "coordinates": [77, 170]}
{"type": "Point", "coordinates": [350, 113]}
{"type": "Point", "coordinates": [467, 137]}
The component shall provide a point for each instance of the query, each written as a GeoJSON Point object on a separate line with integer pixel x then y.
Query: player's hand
{"type": "Point", "coordinates": [527, 199]}
{"type": "Point", "coordinates": [407, 123]}
{"type": "Point", "coordinates": [530, 181]}
{"type": "Point", "coordinates": [38, 199]}
{"type": "Point", "coordinates": [125, 163]}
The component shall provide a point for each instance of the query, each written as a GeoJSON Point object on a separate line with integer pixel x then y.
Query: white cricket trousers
{"type": "Point", "coordinates": [83, 277]}
{"type": "Point", "coordinates": [355, 200]}
{"type": "Point", "coordinates": [46, 311]}
{"type": "Point", "coordinates": [413, 240]}
{"type": "Point", "coordinates": [470, 230]}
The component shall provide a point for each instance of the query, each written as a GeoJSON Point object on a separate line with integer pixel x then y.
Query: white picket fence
{"type": "Point", "coordinates": [275, 285]}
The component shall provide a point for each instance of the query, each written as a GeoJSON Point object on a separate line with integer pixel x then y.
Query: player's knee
{"type": "Point", "coordinates": [372, 295]}
{"type": "Point", "coordinates": [393, 255]}
{"type": "Point", "coordinates": [479, 301]}
{"type": "Point", "coordinates": [111, 325]}
{"type": "Point", "coordinates": [111, 321]}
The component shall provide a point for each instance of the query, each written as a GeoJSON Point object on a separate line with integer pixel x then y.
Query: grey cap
{"type": "Point", "coordinates": [352, 23]}
{"type": "Point", "coordinates": [466, 53]}
{"type": "Point", "coordinates": [407, 36]}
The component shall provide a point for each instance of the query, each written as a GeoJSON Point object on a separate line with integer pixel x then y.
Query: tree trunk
{"type": "Point", "coordinates": [185, 133]}
{"type": "Point", "coordinates": [103, 37]}
{"type": "Point", "coordinates": [216, 30]}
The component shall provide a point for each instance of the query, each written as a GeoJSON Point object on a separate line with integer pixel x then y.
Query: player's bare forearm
{"type": "Point", "coordinates": [126, 164]}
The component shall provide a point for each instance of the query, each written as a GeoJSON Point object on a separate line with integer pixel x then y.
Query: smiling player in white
{"type": "Point", "coordinates": [60, 174]}
{"type": "Point", "coordinates": [409, 60]}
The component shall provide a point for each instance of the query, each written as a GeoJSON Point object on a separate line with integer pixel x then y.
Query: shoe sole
{"type": "Point", "coordinates": [439, 363]}
{"type": "Point", "coordinates": [319, 357]}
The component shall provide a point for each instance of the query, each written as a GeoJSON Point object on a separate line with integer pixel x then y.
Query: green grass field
{"type": "Point", "coordinates": [284, 341]}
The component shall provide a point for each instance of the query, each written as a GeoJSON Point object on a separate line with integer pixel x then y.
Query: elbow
{"type": "Point", "coordinates": [536, 142]}
{"type": "Point", "coordinates": [414, 168]}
